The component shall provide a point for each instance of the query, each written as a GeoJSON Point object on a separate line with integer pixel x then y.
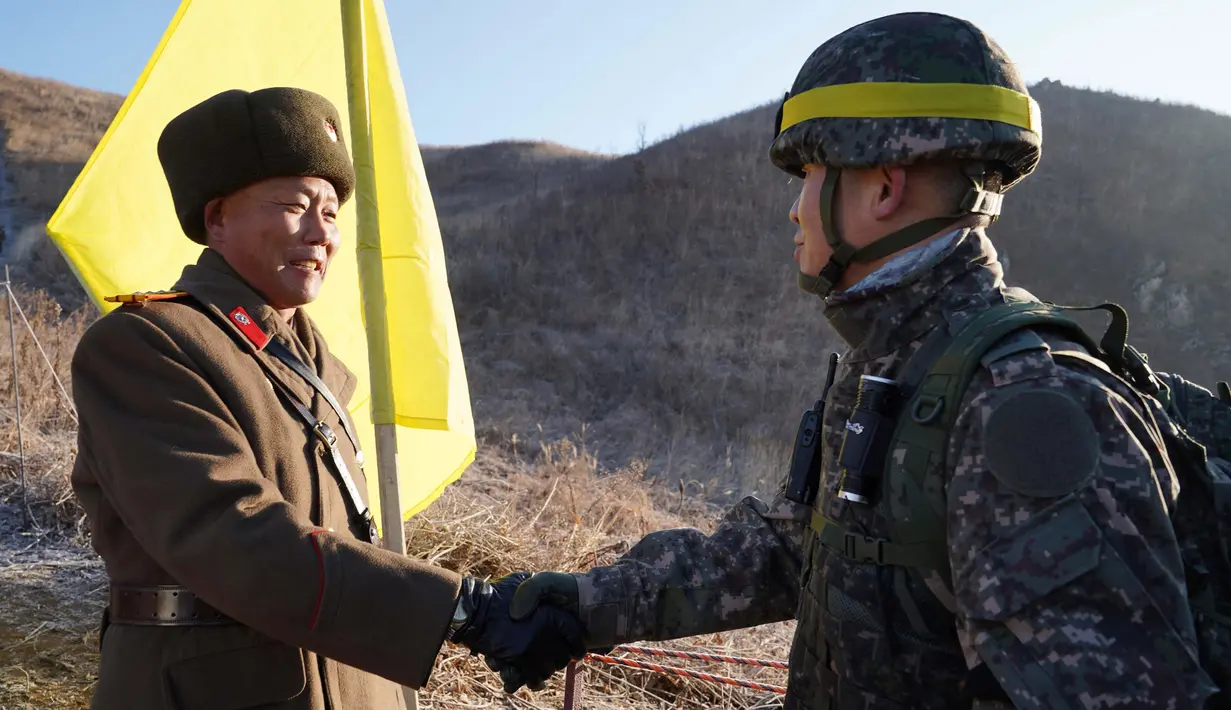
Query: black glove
{"type": "Point", "coordinates": [541, 592]}
{"type": "Point", "coordinates": [527, 651]}
{"type": "Point", "coordinates": [555, 589]}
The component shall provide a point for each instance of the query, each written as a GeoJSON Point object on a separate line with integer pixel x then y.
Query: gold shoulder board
{"type": "Point", "coordinates": [140, 299]}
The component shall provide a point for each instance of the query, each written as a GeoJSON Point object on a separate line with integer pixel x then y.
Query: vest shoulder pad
{"type": "Point", "coordinates": [1020, 341]}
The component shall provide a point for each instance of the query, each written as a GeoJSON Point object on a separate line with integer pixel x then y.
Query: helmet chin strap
{"type": "Point", "coordinates": [842, 252]}
{"type": "Point", "coordinates": [977, 201]}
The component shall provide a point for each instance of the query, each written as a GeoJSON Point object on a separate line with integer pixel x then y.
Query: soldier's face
{"type": "Point", "coordinates": [280, 235]}
{"type": "Point", "coordinates": [868, 205]}
{"type": "Point", "coordinates": [812, 252]}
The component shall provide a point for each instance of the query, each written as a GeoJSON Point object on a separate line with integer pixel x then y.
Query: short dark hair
{"type": "Point", "coordinates": [952, 185]}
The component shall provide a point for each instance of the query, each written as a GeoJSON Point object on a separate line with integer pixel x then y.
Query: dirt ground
{"type": "Point", "coordinates": [556, 514]}
{"type": "Point", "coordinates": [51, 598]}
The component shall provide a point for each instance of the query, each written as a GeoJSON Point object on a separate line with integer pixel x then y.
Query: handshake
{"type": "Point", "coordinates": [526, 626]}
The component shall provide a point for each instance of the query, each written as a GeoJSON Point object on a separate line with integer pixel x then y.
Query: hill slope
{"type": "Point", "coordinates": [643, 303]}
{"type": "Point", "coordinates": [654, 300]}
{"type": "Point", "coordinates": [488, 176]}
{"type": "Point", "coordinates": [647, 302]}
{"type": "Point", "coordinates": [47, 131]}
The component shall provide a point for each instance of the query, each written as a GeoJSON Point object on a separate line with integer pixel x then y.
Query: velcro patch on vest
{"type": "Point", "coordinates": [1040, 442]}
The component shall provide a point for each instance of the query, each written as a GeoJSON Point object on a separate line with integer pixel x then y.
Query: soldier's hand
{"type": "Point", "coordinates": [513, 678]}
{"type": "Point", "coordinates": [526, 650]}
{"type": "Point", "coordinates": [555, 588]}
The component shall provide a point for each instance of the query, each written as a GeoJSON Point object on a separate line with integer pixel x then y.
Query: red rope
{"type": "Point", "coordinates": [671, 670]}
{"type": "Point", "coordinates": [712, 658]}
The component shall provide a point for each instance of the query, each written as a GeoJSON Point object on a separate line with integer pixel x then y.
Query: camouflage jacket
{"type": "Point", "coordinates": [1066, 589]}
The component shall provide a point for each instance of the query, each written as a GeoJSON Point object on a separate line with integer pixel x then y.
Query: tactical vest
{"type": "Point", "coordinates": [931, 387]}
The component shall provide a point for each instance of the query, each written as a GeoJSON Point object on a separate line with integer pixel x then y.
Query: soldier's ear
{"type": "Point", "coordinates": [215, 216]}
{"type": "Point", "coordinates": [888, 193]}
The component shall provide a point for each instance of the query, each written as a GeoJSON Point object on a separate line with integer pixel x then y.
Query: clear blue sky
{"type": "Point", "coordinates": [588, 73]}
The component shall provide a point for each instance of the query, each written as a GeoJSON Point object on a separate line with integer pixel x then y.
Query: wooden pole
{"type": "Point", "coordinates": [390, 495]}
{"type": "Point", "coordinates": [572, 686]}
{"type": "Point", "coordinates": [371, 282]}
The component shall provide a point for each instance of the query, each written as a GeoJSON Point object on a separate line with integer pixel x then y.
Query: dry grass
{"type": "Point", "coordinates": [557, 510]}
{"type": "Point", "coordinates": [547, 506]}
{"type": "Point", "coordinates": [49, 629]}
{"type": "Point", "coordinates": [50, 586]}
{"type": "Point", "coordinates": [560, 512]}
{"type": "Point", "coordinates": [48, 432]}
{"type": "Point", "coordinates": [644, 307]}
{"type": "Point", "coordinates": [52, 122]}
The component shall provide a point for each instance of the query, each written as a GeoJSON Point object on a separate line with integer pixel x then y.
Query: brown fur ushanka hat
{"type": "Point", "coordinates": [236, 138]}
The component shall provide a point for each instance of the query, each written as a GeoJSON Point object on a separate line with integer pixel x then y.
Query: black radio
{"type": "Point", "coordinates": [805, 474]}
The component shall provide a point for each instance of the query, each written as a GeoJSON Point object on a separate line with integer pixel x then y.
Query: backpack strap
{"type": "Point", "coordinates": [933, 384]}
{"type": "Point", "coordinates": [924, 427]}
{"type": "Point", "coordinates": [921, 437]}
{"type": "Point", "coordinates": [862, 548]}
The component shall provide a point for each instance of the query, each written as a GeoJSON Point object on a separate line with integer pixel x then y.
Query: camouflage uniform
{"type": "Point", "coordinates": [1066, 586]}
{"type": "Point", "coordinates": [1076, 597]}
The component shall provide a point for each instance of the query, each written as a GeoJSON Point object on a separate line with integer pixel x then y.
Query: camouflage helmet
{"type": "Point", "coordinates": [903, 89]}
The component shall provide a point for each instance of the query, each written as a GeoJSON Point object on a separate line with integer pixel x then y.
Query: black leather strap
{"type": "Point", "coordinates": [160, 606]}
{"type": "Point", "coordinates": [283, 353]}
{"type": "Point", "coordinates": [323, 432]}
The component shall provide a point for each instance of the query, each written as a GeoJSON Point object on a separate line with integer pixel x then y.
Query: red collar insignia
{"type": "Point", "coordinates": [249, 328]}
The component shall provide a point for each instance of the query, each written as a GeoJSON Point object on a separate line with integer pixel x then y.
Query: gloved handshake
{"type": "Point", "coordinates": [526, 626]}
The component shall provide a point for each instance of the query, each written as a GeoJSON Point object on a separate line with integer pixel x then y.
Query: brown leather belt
{"type": "Point", "coordinates": [161, 606]}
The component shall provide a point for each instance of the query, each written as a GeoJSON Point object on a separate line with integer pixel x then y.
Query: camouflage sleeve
{"type": "Point", "coordinates": [1206, 418]}
{"type": "Point", "coordinates": [681, 582]}
{"type": "Point", "coordinates": [1066, 572]}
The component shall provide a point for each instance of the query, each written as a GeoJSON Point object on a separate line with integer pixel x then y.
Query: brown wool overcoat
{"type": "Point", "coordinates": [194, 472]}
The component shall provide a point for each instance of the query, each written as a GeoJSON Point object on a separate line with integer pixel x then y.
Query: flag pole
{"type": "Point", "coordinates": [371, 283]}
{"type": "Point", "coordinates": [371, 274]}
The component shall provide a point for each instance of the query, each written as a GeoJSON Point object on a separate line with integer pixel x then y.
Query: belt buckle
{"type": "Point", "coordinates": [368, 522]}
{"type": "Point", "coordinates": [325, 434]}
{"type": "Point", "coordinates": [851, 548]}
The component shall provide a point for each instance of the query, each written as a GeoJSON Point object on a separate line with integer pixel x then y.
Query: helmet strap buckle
{"type": "Point", "coordinates": [823, 283]}
{"type": "Point", "coordinates": [980, 201]}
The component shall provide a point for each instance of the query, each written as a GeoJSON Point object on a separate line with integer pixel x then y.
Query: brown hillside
{"type": "Point", "coordinates": [47, 131]}
{"type": "Point", "coordinates": [654, 301]}
{"type": "Point", "coordinates": [644, 303]}
{"type": "Point", "coordinates": [647, 302]}
{"type": "Point", "coordinates": [486, 177]}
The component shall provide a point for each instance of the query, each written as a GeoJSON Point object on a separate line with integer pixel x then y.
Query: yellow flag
{"type": "Point", "coordinates": [118, 230]}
